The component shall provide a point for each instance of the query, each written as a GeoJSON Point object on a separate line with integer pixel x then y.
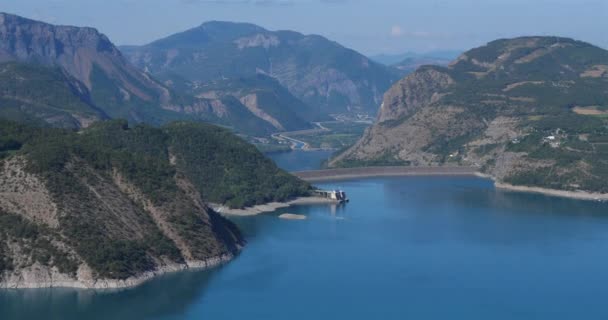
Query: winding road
{"type": "Point", "coordinates": [299, 144]}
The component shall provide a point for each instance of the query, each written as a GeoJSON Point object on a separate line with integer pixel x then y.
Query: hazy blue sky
{"type": "Point", "coordinates": [369, 26]}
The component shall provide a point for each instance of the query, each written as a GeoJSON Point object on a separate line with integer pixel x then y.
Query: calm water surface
{"type": "Point", "coordinates": [403, 248]}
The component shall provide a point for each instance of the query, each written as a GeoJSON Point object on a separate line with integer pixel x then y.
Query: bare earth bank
{"type": "Point", "coordinates": [37, 276]}
{"type": "Point", "coordinates": [43, 277]}
{"type": "Point", "coordinates": [269, 207]}
{"type": "Point", "coordinates": [581, 195]}
{"type": "Point", "coordinates": [292, 216]}
{"type": "Point", "coordinates": [370, 172]}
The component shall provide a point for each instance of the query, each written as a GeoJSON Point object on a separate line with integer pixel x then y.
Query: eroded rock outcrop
{"type": "Point", "coordinates": [525, 111]}
{"type": "Point", "coordinates": [112, 205]}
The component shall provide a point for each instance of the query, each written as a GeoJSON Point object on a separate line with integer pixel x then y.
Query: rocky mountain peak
{"type": "Point", "coordinates": [34, 41]}
{"type": "Point", "coordinates": [514, 55]}
{"type": "Point", "coordinates": [88, 56]}
{"type": "Point", "coordinates": [216, 26]}
{"type": "Point", "coordinates": [528, 111]}
{"type": "Point", "coordinates": [414, 91]}
{"type": "Point", "coordinates": [314, 69]}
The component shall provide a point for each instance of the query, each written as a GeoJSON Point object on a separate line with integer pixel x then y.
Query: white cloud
{"type": "Point", "coordinates": [396, 31]}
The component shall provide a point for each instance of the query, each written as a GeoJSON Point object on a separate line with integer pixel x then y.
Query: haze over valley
{"type": "Point", "coordinates": [396, 160]}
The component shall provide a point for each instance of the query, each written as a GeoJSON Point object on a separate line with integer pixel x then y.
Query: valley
{"type": "Point", "coordinates": [330, 135]}
{"type": "Point", "coordinates": [181, 167]}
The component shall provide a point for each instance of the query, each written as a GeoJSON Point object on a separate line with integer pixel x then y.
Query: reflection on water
{"type": "Point", "coordinates": [171, 294]}
{"type": "Point", "coordinates": [337, 209]}
{"type": "Point", "coordinates": [402, 248]}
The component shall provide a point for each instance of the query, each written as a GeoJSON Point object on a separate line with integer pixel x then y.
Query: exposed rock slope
{"type": "Point", "coordinates": [529, 111]}
{"type": "Point", "coordinates": [88, 56]}
{"type": "Point", "coordinates": [41, 95]}
{"type": "Point", "coordinates": [318, 71]}
{"type": "Point", "coordinates": [112, 206]}
{"type": "Point", "coordinates": [72, 76]}
{"type": "Point", "coordinates": [264, 97]}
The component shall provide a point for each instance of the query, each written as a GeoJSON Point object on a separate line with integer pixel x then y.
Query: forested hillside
{"type": "Point", "coordinates": [326, 76]}
{"type": "Point", "coordinates": [529, 111]}
{"type": "Point", "coordinates": [114, 201]}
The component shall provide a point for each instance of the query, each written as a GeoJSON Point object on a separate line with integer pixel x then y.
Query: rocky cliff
{"type": "Point", "coordinates": [115, 86]}
{"type": "Point", "coordinates": [113, 205]}
{"type": "Point", "coordinates": [528, 111]}
{"type": "Point", "coordinates": [321, 73]}
{"type": "Point", "coordinates": [264, 97]}
{"type": "Point", "coordinates": [72, 76]}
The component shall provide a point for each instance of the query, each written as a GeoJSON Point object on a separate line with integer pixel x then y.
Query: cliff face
{"type": "Point", "coordinates": [111, 206]}
{"type": "Point", "coordinates": [130, 238]}
{"type": "Point", "coordinates": [317, 71]}
{"type": "Point", "coordinates": [84, 54]}
{"type": "Point", "coordinates": [529, 111]}
{"type": "Point", "coordinates": [73, 76]}
{"type": "Point", "coordinates": [412, 93]}
{"type": "Point", "coordinates": [264, 97]}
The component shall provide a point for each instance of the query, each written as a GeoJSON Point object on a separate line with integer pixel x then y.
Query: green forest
{"type": "Point", "coordinates": [223, 168]}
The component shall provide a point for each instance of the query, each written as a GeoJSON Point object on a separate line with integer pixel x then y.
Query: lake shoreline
{"type": "Point", "coordinates": [39, 278]}
{"type": "Point", "coordinates": [375, 172]}
{"type": "Point", "coordinates": [379, 172]}
{"type": "Point", "coordinates": [578, 195]}
{"type": "Point", "coordinates": [270, 207]}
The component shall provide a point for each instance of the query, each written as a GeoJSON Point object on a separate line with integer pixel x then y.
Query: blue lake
{"type": "Point", "coordinates": [403, 248]}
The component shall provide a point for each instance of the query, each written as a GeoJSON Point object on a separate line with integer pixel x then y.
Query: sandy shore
{"type": "Point", "coordinates": [37, 276]}
{"type": "Point", "coordinates": [370, 172]}
{"type": "Point", "coordinates": [270, 207]}
{"type": "Point", "coordinates": [581, 195]}
{"type": "Point", "coordinates": [291, 216]}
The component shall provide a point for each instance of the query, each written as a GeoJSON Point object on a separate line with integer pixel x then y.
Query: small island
{"type": "Point", "coordinates": [291, 216]}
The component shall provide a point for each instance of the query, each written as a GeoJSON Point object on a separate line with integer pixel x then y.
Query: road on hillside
{"type": "Point", "coordinates": [299, 144]}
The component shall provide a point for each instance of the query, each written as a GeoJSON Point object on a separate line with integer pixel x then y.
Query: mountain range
{"type": "Point", "coordinates": [406, 63]}
{"type": "Point", "coordinates": [237, 75]}
{"type": "Point", "coordinates": [393, 59]}
{"type": "Point", "coordinates": [96, 72]}
{"type": "Point", "coordinates": [528, 111]}
{"type": "Point", "coordinates": [89, 200]}
{"type": "Point", "coordinates": [326, 76]}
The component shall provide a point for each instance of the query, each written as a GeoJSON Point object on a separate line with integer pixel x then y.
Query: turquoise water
{"type": "Point", "coordinates": [403, 248]}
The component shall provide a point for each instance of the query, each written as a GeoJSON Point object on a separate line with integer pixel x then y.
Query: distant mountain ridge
{"type": "Point", "coordinates": [529, 111]}
{"type": "Point", "coordinates": [94, 81]}
{"type": "Point", "coordinates": [318, 71]}
{"type": "Point", "coordinates": [409, 65]}
{"type": "Point", "coordinates": [264, 97]}
{"type": "Point", "coordinates": [393, 59]}
{"type": "Point", "coordinates": [116, 86]}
